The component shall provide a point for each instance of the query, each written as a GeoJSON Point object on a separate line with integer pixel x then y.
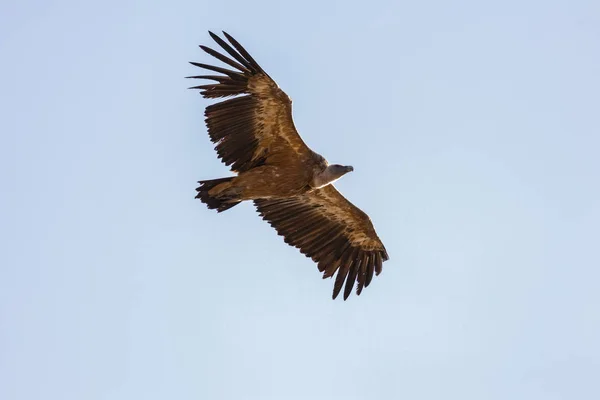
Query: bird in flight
{"type": "Point", "coordinates": [290, 185]}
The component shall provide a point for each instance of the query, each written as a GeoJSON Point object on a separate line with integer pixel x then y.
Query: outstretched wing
{"type": "Point", "coordinates": [337, 235]}
{"type": "Point", "coordinates": [253, 129]}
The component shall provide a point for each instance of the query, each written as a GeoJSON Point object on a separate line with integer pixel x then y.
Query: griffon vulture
{"type": "Point", "coordinates": [290, 185]}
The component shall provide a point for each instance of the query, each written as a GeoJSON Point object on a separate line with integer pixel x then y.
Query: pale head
{"type": "Point", "coordinates": [331, 174]}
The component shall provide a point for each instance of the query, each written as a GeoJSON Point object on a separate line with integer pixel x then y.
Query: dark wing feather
{"type": "Point", "coordinates": [337, 235]}
{"type": "Point", "coordinates": [255, 125]}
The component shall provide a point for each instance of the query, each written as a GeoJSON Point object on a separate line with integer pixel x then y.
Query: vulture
{"type": "Point", "coordinates": [290, 185]}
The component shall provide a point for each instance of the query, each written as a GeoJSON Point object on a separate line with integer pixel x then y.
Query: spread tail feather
{"type": "Point", "coordinates": [221, 201]}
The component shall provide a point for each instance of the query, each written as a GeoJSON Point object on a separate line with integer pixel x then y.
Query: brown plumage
{"type": "Point", "coordinates": [290, 184]}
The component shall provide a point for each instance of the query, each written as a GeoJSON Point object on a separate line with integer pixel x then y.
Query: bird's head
{"type": "Point", "coordinates": [330, 174]}
{"type": "Point", "coordinates": [337, 170]}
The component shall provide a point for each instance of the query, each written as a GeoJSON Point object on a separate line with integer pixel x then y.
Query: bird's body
{"type": "Point", "coordinates": [290, 184]}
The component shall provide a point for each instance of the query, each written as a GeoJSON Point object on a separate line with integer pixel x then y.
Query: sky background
{"type": "Point", "coordinates": [474, 130]}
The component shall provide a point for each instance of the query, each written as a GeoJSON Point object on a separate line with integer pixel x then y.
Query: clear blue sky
{"type": "Point", "coordinates": [474, 131]}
